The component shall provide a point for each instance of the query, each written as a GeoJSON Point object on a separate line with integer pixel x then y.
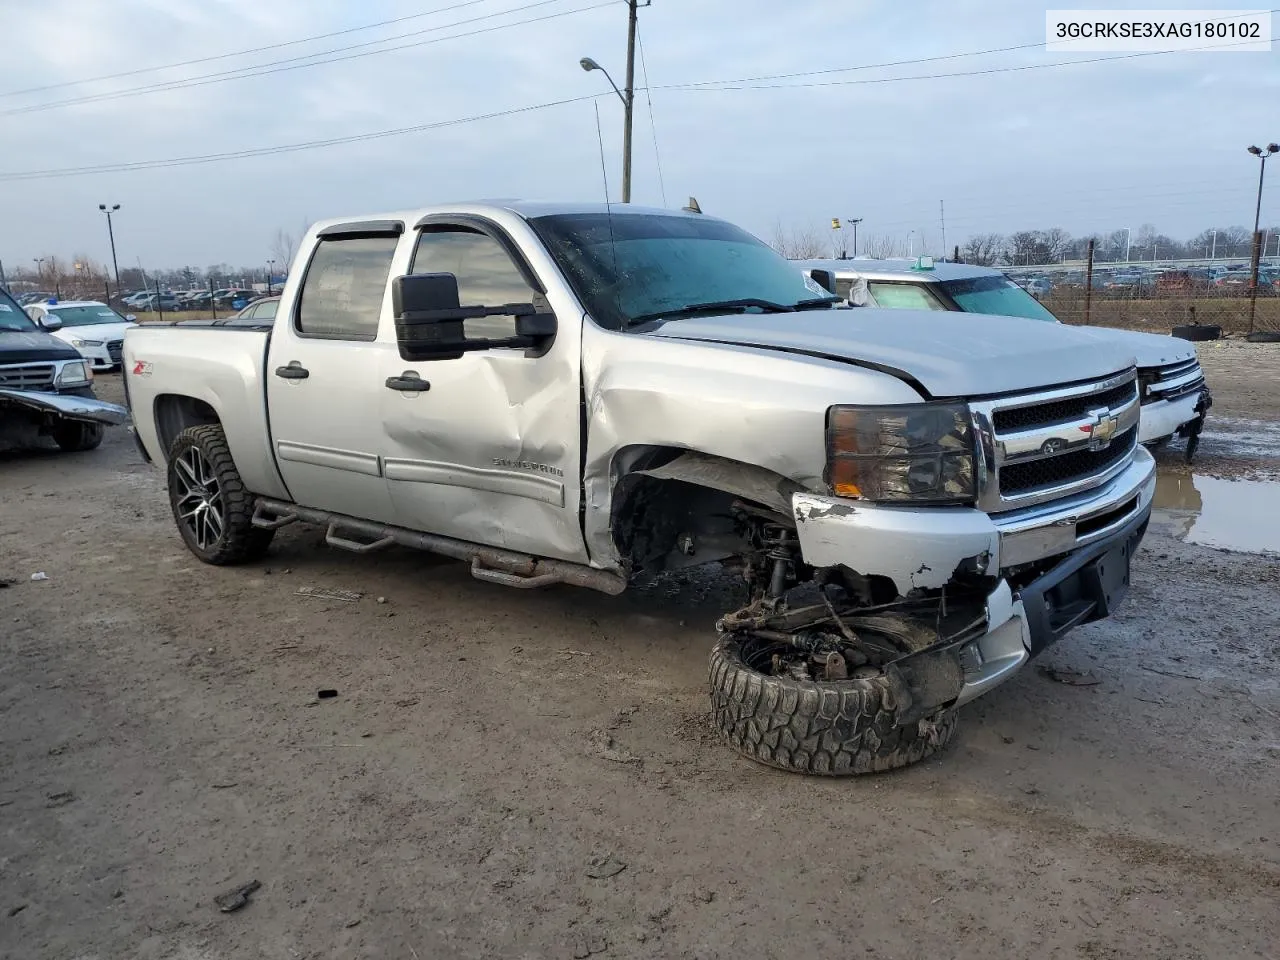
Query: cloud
{"type": "Point", "coordinates": [1091, 146]}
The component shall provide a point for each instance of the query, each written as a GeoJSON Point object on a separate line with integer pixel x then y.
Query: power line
{"type": "Point", "coordinates": [242, 53]}
{"type": "Point", "coordinates": [292, 63]}
{"type": "Point", "coordinates": [657, 157]}
{"type": "Point", "coordinates": [705, 85]}
{"type": "Point", "coordinates": [282, 148]}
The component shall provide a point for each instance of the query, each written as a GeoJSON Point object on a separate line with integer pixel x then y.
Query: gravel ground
{"type": "Point", "coordinates": [491, 756]}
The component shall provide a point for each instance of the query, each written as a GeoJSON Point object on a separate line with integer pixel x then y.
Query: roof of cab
{"type": "Point", "coordinates": [896, 269]}
{"type": "Point", "coordinates": [526, 209]}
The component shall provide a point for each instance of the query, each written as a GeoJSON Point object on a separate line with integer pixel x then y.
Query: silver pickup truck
{"type": "Point", "coordinates": [587, 395]}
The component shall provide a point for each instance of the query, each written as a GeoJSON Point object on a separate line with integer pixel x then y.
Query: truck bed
{"type": "Point", "coordinates": [176, 370]}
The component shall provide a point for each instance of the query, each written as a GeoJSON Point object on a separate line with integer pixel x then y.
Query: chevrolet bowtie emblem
{"type": "Point", "coordinates": [1102, 429]}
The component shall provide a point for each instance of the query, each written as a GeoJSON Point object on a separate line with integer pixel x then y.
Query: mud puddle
{"type": "Point", "coordinates": [1230, 514]}
{"type": "Point", "coordinates": [1237, 436]}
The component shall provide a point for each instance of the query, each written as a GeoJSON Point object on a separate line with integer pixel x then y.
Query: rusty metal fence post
{"type": "Point", "coordinates": [1088, 285]}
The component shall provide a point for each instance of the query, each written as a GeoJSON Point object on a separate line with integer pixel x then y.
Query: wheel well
{"type": "Point", "coordinates": [674, 508]}
{"type": "Point", "coordinates": [174, 413]}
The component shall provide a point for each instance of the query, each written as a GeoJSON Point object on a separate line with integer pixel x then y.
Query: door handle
{"type": "Point", "coordinates": [294, 371]}
{"type": "Point", "coordinates": [408, 382]}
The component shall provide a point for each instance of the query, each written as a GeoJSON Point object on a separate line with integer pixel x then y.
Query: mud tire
{"type": "Point", "coordinates": [1197, 334]}
{"type": "Point", "coordinates": [240, 541]}
{"type": "Point", "coordinates": [829, 728]}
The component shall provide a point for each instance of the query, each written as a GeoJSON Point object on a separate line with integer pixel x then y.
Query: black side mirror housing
{"type": "Point", "coordinates": [825, 279]}
{"type": "Point", "coordinates": [430, 322]}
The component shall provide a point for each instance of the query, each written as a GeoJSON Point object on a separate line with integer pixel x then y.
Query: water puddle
{"type": "Point", "coordinates": [1231, 514]}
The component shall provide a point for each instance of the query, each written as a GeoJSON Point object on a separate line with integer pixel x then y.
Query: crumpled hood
{"type": "Point", "coordinates": [33, 346]}
{"type": "Point", "coordinates": [1149, 349]}
{"type": "Point", "coordinates": [1000, 355]}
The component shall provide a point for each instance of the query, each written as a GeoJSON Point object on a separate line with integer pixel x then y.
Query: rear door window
{"type": "Point", "coordinates": [903, 296]}
{"type": "Point", "coordinates": [341, 296]}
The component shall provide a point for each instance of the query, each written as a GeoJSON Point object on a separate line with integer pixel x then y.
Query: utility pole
{"type": "Point", "coordinates": [942, 215]}
{"type": "Point", "coordinates": [629, 102]}
{"type": "Point", "coordinates": [1088, 285]}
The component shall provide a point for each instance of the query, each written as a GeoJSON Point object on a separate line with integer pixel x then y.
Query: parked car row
{"type": "Point", "coordinates": [227, 298]}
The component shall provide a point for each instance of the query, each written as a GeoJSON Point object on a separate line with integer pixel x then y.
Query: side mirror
{"type": "Point", "coordinates": [131, 318]}
{"type": "Point", "coordinates": [51, 323]}
{"type": "Point", "coordinates": [825, 279]}
{"type": "Point", "coordinates": [430, 323]}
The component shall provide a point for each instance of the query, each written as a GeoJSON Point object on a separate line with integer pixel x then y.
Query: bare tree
{"type": "Point", "coordinates": [283, 246]}
{"type": "Point", "coordinates": [985, 249]}
{"type": "Point", "coordinates": [880, 246]}
{"type": "Point", "coordinates": [798, 243]}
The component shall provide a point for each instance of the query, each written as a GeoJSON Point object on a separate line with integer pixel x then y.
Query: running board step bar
{"type": "Point", "coordinates": [491, 564]}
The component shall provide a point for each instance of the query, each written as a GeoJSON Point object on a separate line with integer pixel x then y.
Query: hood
{"type": "Point", "coordinates": [94, 331]}
{"type": "Point", "coordinates": [1148, 349]}
{"type": "Point", "coordinates": [33, 346]}
{"type": "Point", "coordinates": [1001, 355]}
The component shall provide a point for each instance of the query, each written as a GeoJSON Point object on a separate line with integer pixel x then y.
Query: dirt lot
{"type": "Point", "coordinates": [161, 741]}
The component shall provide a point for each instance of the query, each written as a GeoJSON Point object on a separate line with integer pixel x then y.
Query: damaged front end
{"type": "Point", "coordinates": [65, 406]}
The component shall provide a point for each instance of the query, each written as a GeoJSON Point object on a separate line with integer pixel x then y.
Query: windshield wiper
{"type": "Point", "coordinates": [815, 304]}
{"type": "Point", "coordinates": [715, 306]}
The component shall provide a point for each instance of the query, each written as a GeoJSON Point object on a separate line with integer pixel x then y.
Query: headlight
{"type": "Point", "coordinates": [916, 453]}
{"type": "Point", "coordinates": [86, 343]}
{"type": "Point", "coordinates": [74, 372]}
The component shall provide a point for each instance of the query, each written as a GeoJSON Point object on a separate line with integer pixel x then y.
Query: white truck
{"type": "Point", "coordinates": [1175, 398]}
{"type": "Point", "coordinates": [590, 394]}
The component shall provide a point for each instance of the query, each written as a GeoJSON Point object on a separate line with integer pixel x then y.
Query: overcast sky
{"type": "Point", "coordinates": [1087, 147]}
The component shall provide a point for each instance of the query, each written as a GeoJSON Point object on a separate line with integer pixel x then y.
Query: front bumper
{"type": "Point", "coordinates": [1163, 418]}
{"type": "Point", "coordinates": [1093, 533]}
{"type": "Point", "coordinates": [923, 547]}
{"type": "Point", "coordinates": [68, 405]}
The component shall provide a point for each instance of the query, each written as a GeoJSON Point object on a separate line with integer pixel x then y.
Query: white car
{"type": "Point", "coordinates": [90, 326]}
{"type": "Point", "coordinates": [1173, 392]}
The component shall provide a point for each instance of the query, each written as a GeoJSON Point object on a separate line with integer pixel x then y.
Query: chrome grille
{"type": "Point", "coordinates": [27, 376]}
{"type": "Point", "coordinates": [1170, 381]}
{"type": "Point", "coordinates": [114, 350]}
{"type": "Point", "coordinates": [1056, 411]}
{"type": "Point", "coordinates": [1043, 446]}
{"type": "Point", "coordinates": [1033, 474]}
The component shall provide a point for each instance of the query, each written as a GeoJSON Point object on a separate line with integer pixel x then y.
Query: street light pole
{"type": "Point", "coordinates": [271, 268]}
{"type": "Point", "coordinates": [854, 224]}
{"type": "Point", "coordinates": [111, 234]}
{"type": "Point", "coordinates": [1257, 214]}
{"type": "Point", "coordinates": [1128, 239]}
{"type": "Point", "coordinates": [628, 97]}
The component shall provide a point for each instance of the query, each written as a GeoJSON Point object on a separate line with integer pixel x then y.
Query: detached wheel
{"type": "Point", "coordinates": [76, 436]}
{"type": "Point", "coordinates": [827, 727]}
{"type": "Point", "coordinates": [1197, 333]}
{"type": "Point", "coordinates": [212, 508]}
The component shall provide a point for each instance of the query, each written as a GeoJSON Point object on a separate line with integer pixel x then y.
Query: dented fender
{"type": "Point", "coordinates": [915, 548]}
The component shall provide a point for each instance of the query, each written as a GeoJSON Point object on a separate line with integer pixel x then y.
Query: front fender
{"type": "Point", "coordinates": [68, 406]}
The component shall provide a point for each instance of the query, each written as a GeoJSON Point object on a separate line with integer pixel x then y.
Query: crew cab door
{"type": "Point", "coordinates": [491, 452]}
{"type": "Point", "coordinates": [324, 373]}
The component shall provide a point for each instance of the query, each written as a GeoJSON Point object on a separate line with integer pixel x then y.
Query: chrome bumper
{"type": "Point", "coordinates": [921, 548]}
{"type": "Point", "coordinates": [67, 405]}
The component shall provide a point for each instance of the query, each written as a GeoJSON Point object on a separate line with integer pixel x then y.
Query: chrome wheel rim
{"type": "Point", "coordinates": [199, 503]}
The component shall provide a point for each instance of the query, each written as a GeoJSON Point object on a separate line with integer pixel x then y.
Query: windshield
{"type": "Point", "coordinates": [629, 265]}
{"type": "Point", "coordinates": [998, 295]}
{"type": "Point", "coordinates": [86, 316]}
{"type": "Point", "coordinates": [12, 317]}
